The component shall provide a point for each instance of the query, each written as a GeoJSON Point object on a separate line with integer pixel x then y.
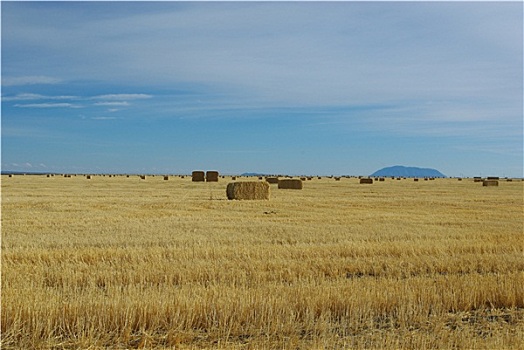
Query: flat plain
{"type": "Point", "coordinates": [119, 262]}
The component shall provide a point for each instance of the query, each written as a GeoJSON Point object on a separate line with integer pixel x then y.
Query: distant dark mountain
{"type": "Point", "coordinates": [403, 171]}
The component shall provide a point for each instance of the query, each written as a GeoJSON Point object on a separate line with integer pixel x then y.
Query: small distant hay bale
{"type": "Point", "coordinates": [509, 180]}
{"type": "Point", "coordinates": [460, 179]}
{"type": "Point", "coordinates": [248, 190]}
{"type": "Point", "coordinates": [415, 179]}
{"type": "Point", "coordinates": [477, 179]}
{"type": "Point", "coordinates": [381, 179]}
{"type": "Point", "coordinates": [303, 178]}
{"type": "Point", "coordinates": [490, 183]}
{"type": "Point", "coordinates": [88, 177]}
{"type": "Point", "coordinates": [272, 180]}
{"type": "Point", "coordinates": [198, 176]}
{"type": "Point", "coordinates": [319, 177]}
{"type": "Point", "coordinates": [233, 177]}
{"type": "Point", "coordinates": [493, 178]}
{"type": "Point", "coordinates": [212, 176]}
{"type": "Point", "coordinates": [290, 184]}
{"type": "Point", "coordinates": [366, 180]}
{"type": "Point", "coordinates": [166, 178]}
{"type": "Point", "coordinates": [142, 177]}
{"type": "Point", "coordinates": [337, 178]}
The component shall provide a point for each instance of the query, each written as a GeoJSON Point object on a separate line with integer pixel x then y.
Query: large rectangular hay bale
{"type": "Point", "coordinates": [248, 190]}
{"type": "Point", "coordinates": [198, 176]}
{"type": "Point", "coordinates": [272, 180]}
{"type": "Point", "coordinates": [490, 183]}
{"type": "Point", "coordinates": [291, 184]}
{"type": "Point", "coordinates": [365, 180]}
{"type": "Point", "coordinates": [212, 176]}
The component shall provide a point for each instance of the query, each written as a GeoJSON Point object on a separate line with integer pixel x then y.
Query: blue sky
{"type": "Point", "coordinates": [275, 87]}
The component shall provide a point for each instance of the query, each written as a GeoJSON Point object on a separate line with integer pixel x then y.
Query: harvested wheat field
{"type": "Point", "coordinates": [122, 263]}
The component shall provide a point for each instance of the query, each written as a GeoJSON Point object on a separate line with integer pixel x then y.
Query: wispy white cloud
{"type": "Point", "coordinates": [116, 103]}
{"type": "Point", "coordinates": [31, 96]}
{"type": "Point", "coordinates": [48, 105]}
{"type": "Point", "coordinates": [30, 80]}
{"type": "Point", "coordinates": [122, 97]}
{"type": "Point", "coordinates": [104, 118]}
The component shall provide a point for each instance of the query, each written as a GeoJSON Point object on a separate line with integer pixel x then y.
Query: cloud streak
{"type": "Point", "coordinates": [48, 105]}
{"type": "Point", "coordinates": [122, 97]}
{"type": "Point", "coordinates": [29, 80]}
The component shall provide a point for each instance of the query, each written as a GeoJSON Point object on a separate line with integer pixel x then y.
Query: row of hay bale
{"type": "Point", "coordinates": [208, 176]}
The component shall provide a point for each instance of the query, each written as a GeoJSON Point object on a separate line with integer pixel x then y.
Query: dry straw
{"type": "Point", "coordinates": [292, 184]}
{"type": "Point", "coordinates": [198, 176]}
{"type": "Point", "coordinates": [212, 176]}
{"type": "Point", "coordinates": [248, 190]}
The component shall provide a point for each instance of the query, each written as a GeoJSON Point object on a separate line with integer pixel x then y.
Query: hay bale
{"type": "Point", "coordinates": [477, 179]}
{"type": "Point", "coordinates": [166, 178]}
{"type": "Point", "coordinates": [381, 179]}
{"type": "Point", "coordinates": [493, 178]}
{"type": "Point", "coordinates": [337, 178]}
{"type": "Point", "coordinates": [490, 183]}
{"type": "Point", "coordinates": [88, 177]}
{"type": "Point", "coordinates": [248, 190]}
{"type": "Point", "coordinates": [290, 184]}
{"type": "Point", "coordinates": [415, 179]}
{"type": "Point", "coordinates": [272, 180]}
{"type": "Point", "coordinates": [142, 177]}
{"type": "Point", "coordinates": [198, 176]}
{"type": "Point", "coordinates": [212, 176]}
{"type": "Point", "coordinates": [366, 180]}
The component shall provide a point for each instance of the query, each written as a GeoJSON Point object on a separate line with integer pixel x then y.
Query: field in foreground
{"type": "Point", "coordinates": [127, 263]}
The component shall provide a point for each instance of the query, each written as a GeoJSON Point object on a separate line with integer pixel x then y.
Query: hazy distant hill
{"type": "Point", "coordinates": [403, 171]}
{"type": "Point", "coordinates": [253, 174]}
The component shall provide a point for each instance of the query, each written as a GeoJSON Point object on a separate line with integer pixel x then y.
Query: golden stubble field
{"type": "Point", "coordinates": [117, 263]}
